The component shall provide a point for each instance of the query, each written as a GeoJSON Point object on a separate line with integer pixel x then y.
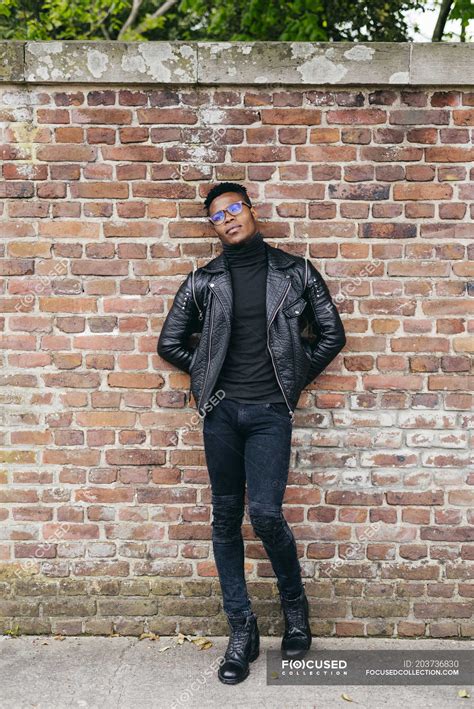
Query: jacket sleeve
{"type": "Point", "coordinates": [179, 324]}
{"type": "Point", "coordinates": [332, 337]}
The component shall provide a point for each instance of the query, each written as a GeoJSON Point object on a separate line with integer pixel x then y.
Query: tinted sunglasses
{"type": "Point", "coordinates": [234, 208]}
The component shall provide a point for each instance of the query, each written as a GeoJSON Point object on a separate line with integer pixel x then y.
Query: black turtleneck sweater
{"type": "Point", "coordinates": [247, 374]}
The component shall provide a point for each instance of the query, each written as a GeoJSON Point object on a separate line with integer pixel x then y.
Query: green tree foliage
{"type": "Point", "coordinates": [64, 19]}
{"type": "Point", "coordinates": [221, 20]}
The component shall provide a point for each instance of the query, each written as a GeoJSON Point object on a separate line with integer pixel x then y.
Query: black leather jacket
{"type": "Point", "coordinates": [304, 330]}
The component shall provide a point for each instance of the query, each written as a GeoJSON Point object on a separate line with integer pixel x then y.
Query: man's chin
{"type": "Point", "coordinates": [240, 236]}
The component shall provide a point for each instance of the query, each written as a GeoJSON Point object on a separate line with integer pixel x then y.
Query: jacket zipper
{"type": "Point", "coordinates": [209, 355]}
{"type": "Point", "coordinates": [210, 339]}
{"type": "Point", "coordinates": [190, 383]}
{"type": "Point", "coordinates": [271, 354]}
{"type": "Point", "coordinates": [200, 317]}
{"type": "Point", "coordinates": [194, 296]}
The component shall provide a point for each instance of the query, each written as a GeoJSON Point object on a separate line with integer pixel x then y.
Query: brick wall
{"type": "Point", "coordinates": [105, 502]}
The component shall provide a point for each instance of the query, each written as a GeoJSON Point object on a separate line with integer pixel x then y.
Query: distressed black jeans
{"type": "Point", "coordinates": [249, 445]}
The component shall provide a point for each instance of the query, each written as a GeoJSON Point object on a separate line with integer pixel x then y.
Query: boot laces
{"type": "Point", "coordinates": [239, 637]}
{"type": "Point", "coordinates": [295, 614]}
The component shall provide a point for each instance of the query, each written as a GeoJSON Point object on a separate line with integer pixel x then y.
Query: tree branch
{"type": "Point", "coordinates": [163, 8]}
{"type": "Point", "coordinates": [104, 32]}
{"type": "Point", "coordinates": [444, 11]}
{"type": "Point", "coordinates": [100, 23]}
{"type": "Point", "coordinates": [160, 11]}
{"type": "Point", "coordinates": [131, 18]}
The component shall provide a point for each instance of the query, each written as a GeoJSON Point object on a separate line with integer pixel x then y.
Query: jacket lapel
{"type": "Point", "coordinates": [278, 281]}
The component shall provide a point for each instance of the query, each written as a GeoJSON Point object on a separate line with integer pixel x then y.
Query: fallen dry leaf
{"type": "Point", "coordinates": [149, 636]}
{"type": "Point", "coordinates": [162, 649]}
{"type": "Point", "coordinates": [464, 694]}
{"type": "Point", "coordinates": [347, 698]}
{"type": "Point", "coordinates": [202, 643]}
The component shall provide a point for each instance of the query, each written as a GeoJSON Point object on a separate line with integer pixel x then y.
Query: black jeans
{"type": "Point", "coordinates": [250, 443]}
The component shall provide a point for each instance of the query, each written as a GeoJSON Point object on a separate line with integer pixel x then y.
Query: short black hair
{"type": "Point", "coordinates": [225, 187]}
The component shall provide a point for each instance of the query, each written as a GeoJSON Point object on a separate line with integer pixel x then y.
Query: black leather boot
{"type": "Point", "coordinates": [243, 647]}
{"type": "Point", "coordinates": [297, 638]}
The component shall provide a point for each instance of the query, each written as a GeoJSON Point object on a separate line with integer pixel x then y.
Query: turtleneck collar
{"type": "Point", "coordinates": [247, 253]}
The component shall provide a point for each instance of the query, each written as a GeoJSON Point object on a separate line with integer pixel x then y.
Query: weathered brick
{"type": "Point", "coordinates": [430, 117]}
{"type": "Point", "coordinates": [291, 116]}
{"type": "Point", "coordinates": [421, 192]}
{"type": "Point", "coordinates": [388, 230]}
{"type": "Point", "coordinates": [106, 515]}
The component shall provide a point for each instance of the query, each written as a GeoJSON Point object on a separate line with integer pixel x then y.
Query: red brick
{"type": "Point", "coordinates": [291, 116]}
{"type": "Point", "coordinates": [414, 97]}
{"type": "Point", "coordinates": [321, 135]}
{"type": "Point", "coordinates": [417, 191]}
{"type": "Point", "coordinates": [452, 211]}
{"type": "Point", "coordinates": [449, 154]}
{"type": "Point", "coordinates": [410, 117]}
{"type": "Point", "coordinates": [361, 136]}
{"type": "Point", "coordinates": [418, 210]}
{"type": "Point", "coordinates": [388, 230]}
{"type": "Point", "coordinates": [326, 153]}
{"type": "Point", "coordinates": [445, 98]}
{"type": "Point", "coordinates": [357, 115]}
{"type": "Point", "coordinates": [260, 154]}
{"type": "Point", "coordinates": [66, 153]}
{"type": "Point", "coordinates": [454, 135]}
{"type": "Point", "coordinates": [422, 135]}
{"type": "Point", "coordinates": [97, 490]}
{"type": "Point", "coordinates": [391, 154]}
{"type": "Point", "coordinates": [463, 118]}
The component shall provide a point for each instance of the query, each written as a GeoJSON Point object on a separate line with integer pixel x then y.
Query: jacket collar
{"type": "Point", "coordinates": [276, 289]}
{"type": "Point", "coordinates": [276, 259]}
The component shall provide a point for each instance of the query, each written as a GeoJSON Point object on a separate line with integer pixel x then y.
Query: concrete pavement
{"type": "Point", "coordinates": [40, 672]}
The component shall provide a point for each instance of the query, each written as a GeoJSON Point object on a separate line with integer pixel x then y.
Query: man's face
{"type": "Point", "coordinates": [236, 228]}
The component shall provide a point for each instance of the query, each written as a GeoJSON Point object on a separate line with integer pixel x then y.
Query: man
{"type": "Point", "coordinates": [268, 327]}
